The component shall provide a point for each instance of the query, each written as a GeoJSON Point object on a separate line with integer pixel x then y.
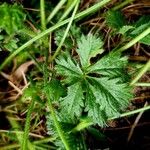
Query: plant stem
{"type": "Point", "coordinates": [42, 12]}
{"type": "Point", "coordinates": [68, 10]}
{"type": "Point", "coordinates": [51, 29]}
{"type": "Point", "coordinates": [135, 40]}
{"type": "Point", "coordinates": [131, 112]}
{"type": "Point", "coordinates": [66, 32]}
{"type": "Point", "coordinates": [56, 9]}
{"type": "Point", "coordinates": [142, 84]}
{"type": "Point", "coordinates": [121, 5]}
{"type": "Point", "coordinates": [140, 74]}
{"type": "Point", "coordinates": [56, 123]}
{"type": "Point", "coordinates": [27, 127]}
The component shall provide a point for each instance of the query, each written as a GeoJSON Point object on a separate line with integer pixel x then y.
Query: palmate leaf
{"type": "Point", "coordinates": [102, 90]}
{"type": "Point", "coordinates": [11, 18]}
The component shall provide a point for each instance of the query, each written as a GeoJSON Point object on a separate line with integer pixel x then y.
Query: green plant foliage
{"type": "Point", "coordinates": [91, 89]}
{"type": "Point", "coordinates": [11, 18]}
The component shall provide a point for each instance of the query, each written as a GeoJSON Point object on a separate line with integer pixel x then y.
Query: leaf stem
{"type": "Point", "coordinates": [84, 13]}
{"type": "Point", "coordinates": [131, 112]}
{"type": "Point", "coordinates": [140, 74]}
{"type": "Point", "coordinates": [42, 13]}
{"type": "Point", "coordinates": [87, 122]}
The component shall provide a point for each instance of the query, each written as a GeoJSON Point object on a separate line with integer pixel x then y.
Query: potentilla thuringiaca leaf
{"type": "Point", "coordinates": [99, 89]}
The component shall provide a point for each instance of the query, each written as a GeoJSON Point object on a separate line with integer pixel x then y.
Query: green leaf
{"type": "Point", "coordinates": [11, 44]}
{"type": "Point", "coordinates": [100, 90]}
{"type": "Point", "coordinates": [1, 37]}
{"type": "Point", "coordinates": [88, 47]}
{"type": "Point", "coordinates": [73, 102]}
{"type": "Point", "coordinates": [115, 19]}
{"type": "Point", "coordinates": [11, 18]}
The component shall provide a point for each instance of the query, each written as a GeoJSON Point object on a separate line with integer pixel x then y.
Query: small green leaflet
{"type": "Point", "coordinates": [68, 68]}
{"type": "Point", "coordinates": [88, 46]}
{"type": "Point", "coordinates": [74, 100]}
{"type": "Point", "coordinates": [11, 18]}
{"type": "Point", "coordinates": [101, 89]}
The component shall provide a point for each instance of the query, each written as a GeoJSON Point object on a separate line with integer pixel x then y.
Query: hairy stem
{"type": "Point", "coordinates": [56, 123]}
